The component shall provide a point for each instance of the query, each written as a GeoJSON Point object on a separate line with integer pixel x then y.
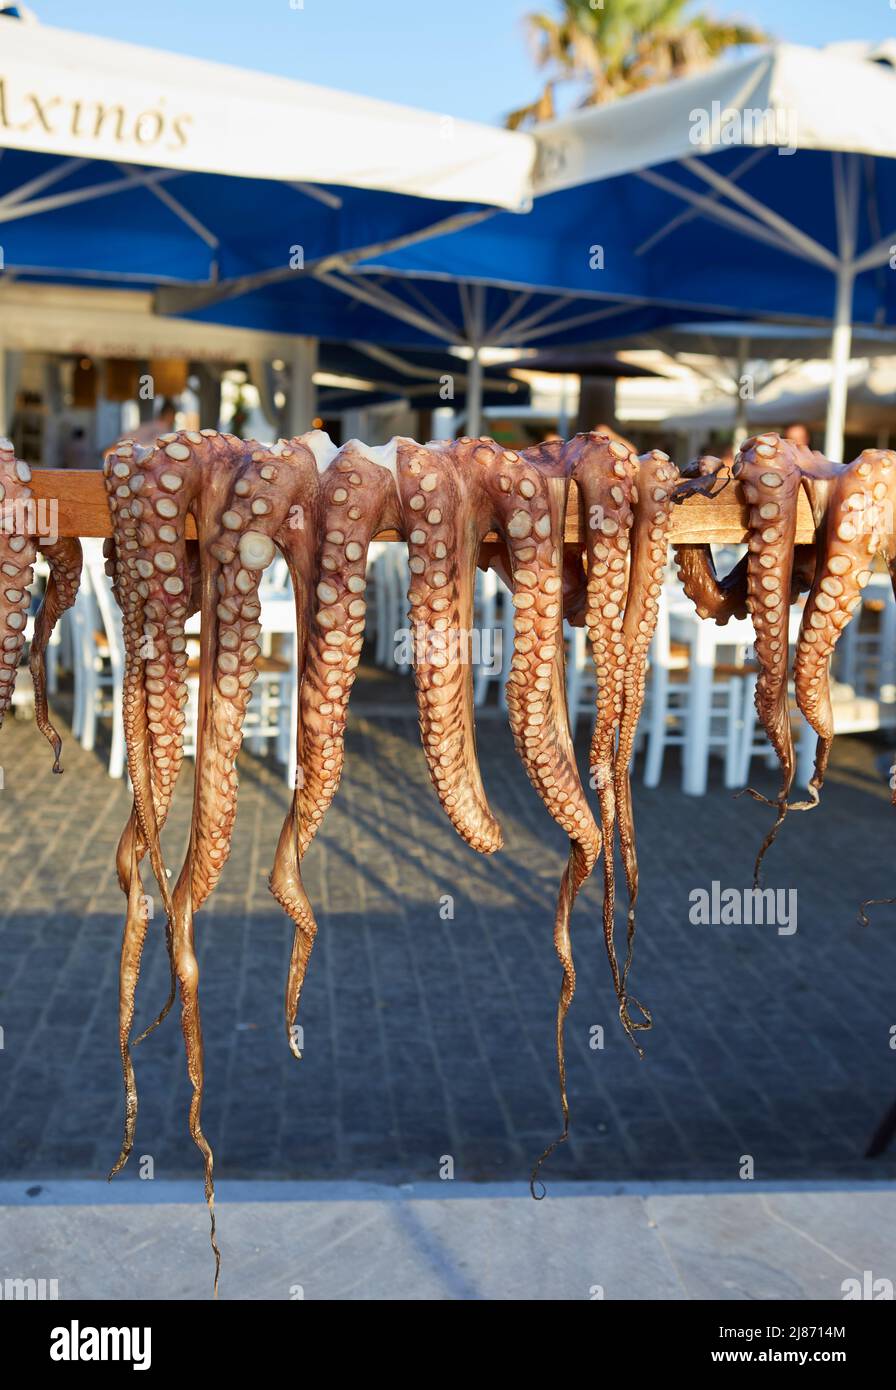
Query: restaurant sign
{"type": "Point", "coordinates": [33, 119]}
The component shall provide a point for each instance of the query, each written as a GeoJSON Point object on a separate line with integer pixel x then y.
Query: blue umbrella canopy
{"type": "Point", "coordinates": [124, 162]}
{"type": "Point", "coordinates": [765, 187]}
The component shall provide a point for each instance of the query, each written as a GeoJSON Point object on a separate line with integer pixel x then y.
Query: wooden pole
{"type": "Point", "coordinates": [81, 510]}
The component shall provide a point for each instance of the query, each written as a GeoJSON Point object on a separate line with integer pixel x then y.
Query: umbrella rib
{"type": "Point", "coordinates": [352, 289]}
{"type": "Point", "coordinates": [175, 206]}
{"type": "Point", "coordinates": [392, 359]}
{"type": "Point", "coordinates": [689, 214]}
{"type": "Point", "coordinates": [516, 305]}
{"type": "Point", "coordinates": [423, 300]}
{"type": "Point", "coordinates": [876, 255]}
{"type": "Point", "coordinates": [812, 248]}
{"type": "Point", "coordinates": [580, 319]}
{"type": "Point", "coordinates": [45, 180]}
{"type": "Point", "coordinates": [320, 195]}
{"type": "Point", "coordinates": [520, 325]}
{"type": "Point", "coordinates": [727, 216]}
{"type": "Point", "coordinates": [86, 195]}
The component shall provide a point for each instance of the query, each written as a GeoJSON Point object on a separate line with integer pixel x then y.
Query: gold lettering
{"type": "Point", "coordinates": [179, 124]}
{"type": "Point", "coordinates": [101, 113]}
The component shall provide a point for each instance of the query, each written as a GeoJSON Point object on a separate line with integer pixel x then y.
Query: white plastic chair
{"type": "Point", "coordinates": [699, 712]}
{"type": "Point", "coordinates": [98, 660]}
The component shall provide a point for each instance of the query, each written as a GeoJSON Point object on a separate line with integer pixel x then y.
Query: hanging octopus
{"type": "Point", "coordinates": [18, 550]}
{"type": "Point", "coordinates": [851, 511]}
{"type": "Point", "coordinates": [246, 500]}
{"type": "Point", "coordinates": [627, 505]}
{"type": "Point", "coordinates": [445, 498]}
{"type": "Point", "coordinates": [321, 507]}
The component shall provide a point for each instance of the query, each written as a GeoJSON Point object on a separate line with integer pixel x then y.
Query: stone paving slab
{"type": "Point", "coordinates": [444, 1241]}
{"type": "Point", "coordinates": [431, 1038]}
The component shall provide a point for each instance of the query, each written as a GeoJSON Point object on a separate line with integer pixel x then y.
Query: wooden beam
{"type": "Point", "coordinates": [82, 511]}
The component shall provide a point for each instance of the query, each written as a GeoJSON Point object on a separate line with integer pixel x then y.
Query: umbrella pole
{"type": "Point", "coordinates": [740, 421]}
{"type": "Point", "coordinates": [474, 395]}
{"type": "Point", "coordinates": [841, 348]}
{"type": "Point", "coordinates": [474, 324]}
{"type": "Point", "coordinates": [302, 406]}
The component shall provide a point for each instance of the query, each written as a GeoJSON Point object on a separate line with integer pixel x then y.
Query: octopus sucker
{"type": "Point", "coordinates": [605, 473]}
{"type": "Point", "coordinates": [65, 560]}
{"type": "Point", "coordinates": [655, 482]}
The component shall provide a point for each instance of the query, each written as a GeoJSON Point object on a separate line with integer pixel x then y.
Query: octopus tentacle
{"type": "Point", "coordinates": [446, 511]}
{"type": "Point", "coordinates": [529, 497]}
{"type": "Point", "coordinates": [148, 499]}
{"type": "Point", "coordinates": [17, 555]}
{"type": "Point", "coordinates": [649, 542]}
{"type": "Point", "coordinates": [713, 596]}
{"type": "Point", "coordinates": [771, 477]}
{"type": "Point", "coordinates": [720, 598]}
{"type": "Point", "coordinates": [357, 499]}
{"type": "Point", "coordinates": [238, 511]}
{"type": "Point", "coordinates": [297, 539]}
{"type": "Point", "coordinates": [604, 472]}
{"type": "Point", "coordinates": [170, 719]}
{"type": "Point", "coordinates": [451, 496]}
{"type": "Point", "coordinates": [65, 559]}
{"type": "Point", "coordinates": [857, 528]}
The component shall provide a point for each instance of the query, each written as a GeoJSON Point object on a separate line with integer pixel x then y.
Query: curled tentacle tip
{"type": "Point", "coordinates": [757, 796]}
{"type": "Point", "coordinates": [628, 1022]}
{"type": "Point", "coordinates": [863, 919]}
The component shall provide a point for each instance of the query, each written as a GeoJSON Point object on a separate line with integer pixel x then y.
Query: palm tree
{"type": "Point", "coordinates": [614, 47]}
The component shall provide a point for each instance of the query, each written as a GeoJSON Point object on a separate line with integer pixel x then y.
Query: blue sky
{"type": "Point", "coordinates": [466, 57]}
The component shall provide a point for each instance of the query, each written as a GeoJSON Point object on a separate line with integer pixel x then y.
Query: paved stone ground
{"type": "Point", "coordinates": [447, 1241]}
{"type": "Point", "coordinates": [427, 1038]}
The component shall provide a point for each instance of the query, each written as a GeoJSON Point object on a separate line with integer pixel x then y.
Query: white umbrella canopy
{"type": "Point", "coordinates": [138, 167]}
{"type": "Point", "coordinates": [817, 99]}
{"type": "Point", "coordinates": [764, 187]}
{"type": "Point", "coordinates": [872, 405]}
{"type": "Point", "coordinates": [839, 100]}
{"type": "Point", "coordinates": [65, 93]}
